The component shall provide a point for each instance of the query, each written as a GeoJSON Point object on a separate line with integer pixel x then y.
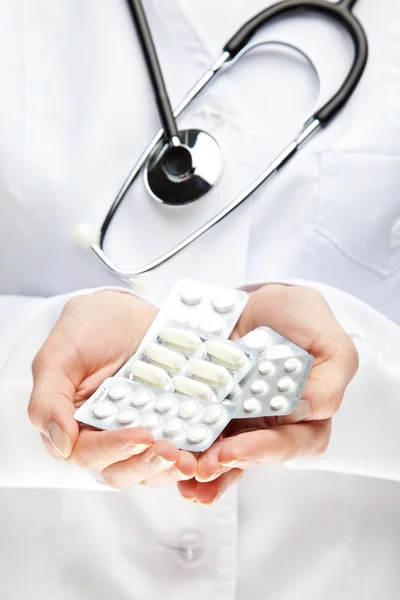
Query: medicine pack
{"type": "Point", "coordinates": [188, 423]}
{"type": "Point", "coordinates": [186, 380]}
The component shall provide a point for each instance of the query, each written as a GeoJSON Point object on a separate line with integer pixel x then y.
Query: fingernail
{"type": "Point", "coordinates": [158, 464]}
{"type": "Point", "coordinates": [212, 477]}
{"type": "Point", "coordinates": [136, 449]}
{"type": "Point", "coordinates": [59, 439]}
{"type": "Point", "coordinates": [231, 465]}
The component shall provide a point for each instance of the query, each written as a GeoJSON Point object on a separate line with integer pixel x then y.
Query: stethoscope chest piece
{"type": "Point", "coordinates": [184, 171]}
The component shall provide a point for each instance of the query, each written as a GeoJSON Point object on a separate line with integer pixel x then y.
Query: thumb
{"type": "Point", "coordinates": [51, 407]}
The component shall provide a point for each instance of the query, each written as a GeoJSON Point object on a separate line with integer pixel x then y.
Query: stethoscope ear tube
{"type": "Point", "coordinates": [341, 12]}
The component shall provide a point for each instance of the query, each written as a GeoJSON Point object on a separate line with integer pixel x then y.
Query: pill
{"type": "Point", "coordinates": [141, 398]}
{"type": "Point", "coordinates": [190, 387]}
{"type": "Point", "coordinates": [150, 374]}
{"type": "Point", "coordinates": [277, 402]}
{"type": "Point", "coordinates": [257, 339]}
{"type": "Point", "coordinates": [191, 294]}
{"type": "Point", "coordinates": [284, 384]}
{"type": "Point", "coordinates": [118, 391]}
{"type": "Point", "coordinates": [165, 403]}
{"type": "Point", "coordinates": [173, 427]}
{"type": "Point", "coordinates": [127, 416]}
{"type": "Point", "coordinates": [188, 409]}
{"type": "Point", "coordinates": [213, 413]}
{"type": "Point", "coordinates": [164, 357]}
{"type": "Point", "coordinates": [181, 316]}
{"type": "Point", "coordinates": [211, 324]}
{"type": "Point", "coordinates": [266, 367]}
{"type": "Point", "coordinates": [259, 386]}
{"type": "Point", "coordinates": [102, 410]}
{"type": "Point", "coordinates": [292, 364]}
{"type": "Point", "coordinates": [279, 351]}
{"type": "Point", "coordinates": [251, 405]}
{"type": "Point", "coordinates": [150, 421]}
{"type": "Point", "coordinates": [187, 341]}
{"type": "Point", "coordinates": [214, 375]}
{"type": "Point", "coordinates": [231, 357]}
{"type": "Point", "coordinates": [224, 302]}
{"type": "Point", "coordinates": [197, 433]}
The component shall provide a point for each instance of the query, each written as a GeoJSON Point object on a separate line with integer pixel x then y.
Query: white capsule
{"type": "Point", "coordinates": [277, 402]}
{"type": "Point", "coordinates": [231, 357]}
{"type": "Point", "coordinates": [149, 374]}
{"type": "Point", "coordinates": [191, 294]}
{"type": "Point", "coordinates": [251, 405]}
{"type": "Point", "coordinates": [266, 367]}
{"type": "Point", "coordinates": [173, 427]}
{"type": "Point", "coordinates": [257, 339]}
{"type": "Point", "coordinates": [141, 398]}
{"type": "Point", "coordinates": [197, 433]}
{"type": "Point", "coordinates": [213, 413]}
{"type": "Point", "coordinates": [188, 409]}
{"type": "Point", "coordinates": [292, 364]}
{"type": "Point", "coordinates": [211, 323]}
{"type": "Point", "coordinates": [118, 391]}
{"type": "Point", "coordinates": [284, 384]}
{"type": "Point", "coordinates": [259, 386]}
{"type": "Point", "coordinates": [150, 421]}
{"type": "Point", "coordinates": [104, 409]}
{"type": "Point", "coordinates": [214, 375]}
{"type": "Point", "coordinates": [164, 357]}
{"type": "Point", "coordinates": [190, 387]}
{"type": "Point", "coordinates": [165, 403]}
{"type": "Point", "coordinates": [127, 416]}
{"type": "Point", "coordinates": [224, 301]}
{"type": "Point", "coordinates": [187, 341]}
{"type": "Point", "coordinates": [279, 351]}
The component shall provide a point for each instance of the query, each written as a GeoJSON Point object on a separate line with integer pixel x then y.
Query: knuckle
{"type": "Point", "coordinates": [34, 411]}
{"type": "Point", "coordinates": [290, 447]}
{"type": "Point", "coordinates": [112, 480]}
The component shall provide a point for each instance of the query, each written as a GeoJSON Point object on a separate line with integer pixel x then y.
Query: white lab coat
{"type": "Point", "coordinates": [75, 112]}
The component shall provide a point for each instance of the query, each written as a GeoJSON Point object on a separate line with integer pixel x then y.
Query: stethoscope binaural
{"type": "Point", "coordinates": [182, 166]}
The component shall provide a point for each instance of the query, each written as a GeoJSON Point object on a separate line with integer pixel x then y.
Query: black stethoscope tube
{"type": "Point", "coordinates": [154, 70]}
{"type": "Point", "coordinates": [341, 12]}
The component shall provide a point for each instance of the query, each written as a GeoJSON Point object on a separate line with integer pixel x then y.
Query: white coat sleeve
{"type": "Point", "coordinates": [366, 430]}
{"type": "Point", "coordinates": [25, 323]}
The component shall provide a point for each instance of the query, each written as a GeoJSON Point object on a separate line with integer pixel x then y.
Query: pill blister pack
{"type": "Point", "coordinates": [198, 305]}
{"type": "Point", "coordinates": [189, 423]}
{"type": "Point", "coordinates": [274, 385]}
{"type": "Point", "coordinates": [191, 362]}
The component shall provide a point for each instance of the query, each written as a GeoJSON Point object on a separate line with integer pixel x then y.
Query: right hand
{"type": "Point", "coordinates": [94, 336]}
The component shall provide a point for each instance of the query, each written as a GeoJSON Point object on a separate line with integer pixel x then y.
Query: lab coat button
{"type": "Point", "coordinates": [395, 234]}
{"type": "Point", "coordinates": [189, 549]}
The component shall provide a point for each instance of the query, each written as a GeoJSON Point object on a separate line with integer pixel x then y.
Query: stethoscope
{"type": "Point", "coordinates": [180, 167]}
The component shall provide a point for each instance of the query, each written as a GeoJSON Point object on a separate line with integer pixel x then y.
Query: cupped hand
{"type": "Point", "coordinates": [303, 316]}
{"type": "Point", "coordinates": [94, 336]}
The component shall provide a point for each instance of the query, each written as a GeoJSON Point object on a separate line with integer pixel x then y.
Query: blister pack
{"type": "Point", "coordinates": [198, 305]}
{"type": "Point", "coordinates": [274, 385]}
{"type": "Point", "coordinates": [189, 423]}
{"type": "Point", "coordinates": [190, 362]}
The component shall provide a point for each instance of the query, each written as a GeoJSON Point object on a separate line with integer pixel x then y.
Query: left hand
{"type": "Point", "coordinates": [303, 316]}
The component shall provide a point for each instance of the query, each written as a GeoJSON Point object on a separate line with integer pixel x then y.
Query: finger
{"type": "Point", "coordinates": [97, 450]}
{"type": "Point", "coordinates": [276, 445]}
{"type": "Point", "coordinates": [51, 408]}
{"type": "Point", "coordinates": [161, 456]}
{"type": "Point", "coordinates": [183, 470]}
{"type": "Point", "coordinates": [208, 493]}
{"type": "Point", "coordinates": [327, 383]}
{"type": "Point", "coordinates": [208, 464]}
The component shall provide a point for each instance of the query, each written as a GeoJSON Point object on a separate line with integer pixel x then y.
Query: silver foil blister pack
{"type": "Point", "coordinates": [189, 423]}
{"type": "Point", "coordinates": [203, 306]}
{"type": "Point", "coordinates": [190, 362]}
{"type": "Point", "coordinates": [274, 385]}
